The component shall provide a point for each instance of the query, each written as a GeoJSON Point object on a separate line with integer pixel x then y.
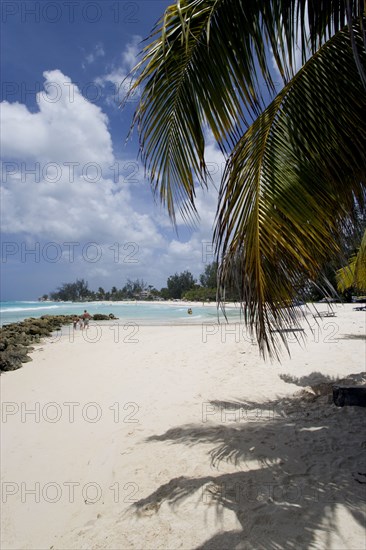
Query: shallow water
{"type": "Point", "coordinates": [147, 313]}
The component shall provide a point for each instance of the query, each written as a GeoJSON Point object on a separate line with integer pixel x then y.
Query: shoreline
{"type": "Point", "coordinates": [162, 439]}
{"type": "Point", "coordinates": [19, 337]}
{"type": "Point", "coordinates": [16, 315]}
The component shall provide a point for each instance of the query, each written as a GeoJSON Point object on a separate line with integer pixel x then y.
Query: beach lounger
{"type": "Point", "coordinates": [325, 314]}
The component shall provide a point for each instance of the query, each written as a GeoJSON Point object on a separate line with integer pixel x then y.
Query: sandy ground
{"type": "Point", "coordinates": [182, 437]}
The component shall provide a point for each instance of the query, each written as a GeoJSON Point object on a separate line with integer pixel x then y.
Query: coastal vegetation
{"type": "Point", "coordinates": [183, 286]}
{"type": "Point", "coordinates": [280, 86]}
{"type": "Point", "coordinates": [79, 291]}
{"type": "Point", "coordinates": [179, 286]}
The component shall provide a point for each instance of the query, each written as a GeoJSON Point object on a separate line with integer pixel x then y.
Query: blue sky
{"type": "Point", "coordinates": [74, 199]}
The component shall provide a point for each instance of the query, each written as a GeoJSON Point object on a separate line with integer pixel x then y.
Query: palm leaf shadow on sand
{"type": "Point", "coordinates": [300, 466]}
{"type": "Point", "coordinates": [312, 380]}
{"type": "Point", "coordinates": [354, 337]}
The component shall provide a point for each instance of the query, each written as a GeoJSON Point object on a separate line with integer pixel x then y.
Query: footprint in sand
{"type": "Point", "coordinates": [126, 452]}
{"type": "Point", "coordinates": [150, 509]}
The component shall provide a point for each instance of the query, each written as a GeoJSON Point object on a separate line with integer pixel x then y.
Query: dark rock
{"type": "Point", "coordinates": [3, 345]}
{"type": "Point", "coordinates": [16, 339]}
{"type": "Point", "coordinates": [9, 363]}
{"type": "Point", "coordinates": [12, 359]}
{"type": "Point", "coordinates": [349, 396]}
{"type": "Point", "coordinates": [103, 317]}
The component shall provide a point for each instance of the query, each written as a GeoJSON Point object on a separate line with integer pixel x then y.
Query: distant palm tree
{"type": "Point", "coordinates": [101, 293]}
{"type": "Point", "coordinates": [296, 155]}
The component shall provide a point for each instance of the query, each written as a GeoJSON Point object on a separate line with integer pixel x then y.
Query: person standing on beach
{"type": "Point", "coordinates": [86, 316]}
{"type": "Point", "coordinates": [75, 321]}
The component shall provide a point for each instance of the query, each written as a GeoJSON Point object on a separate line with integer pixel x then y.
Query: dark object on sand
{"type": "Point", "coordinates": [349, 395]}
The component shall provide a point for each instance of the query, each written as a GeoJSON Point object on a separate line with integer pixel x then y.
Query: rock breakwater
{"type": "Point", "coordinates": [17, 339]}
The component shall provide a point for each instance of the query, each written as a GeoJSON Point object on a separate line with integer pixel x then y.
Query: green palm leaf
{"type": "Point", "coordinates": [354, 274]}
{"type": "Point", "coordinates": [290, 186]}
{"type": "Point", "coordinates": [207, 64]}
{"type": "Point", "coordinates": [293, 177]}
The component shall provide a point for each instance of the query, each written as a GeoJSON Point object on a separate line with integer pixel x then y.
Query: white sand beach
{"type": "Point", "coordinates": [182, 437]}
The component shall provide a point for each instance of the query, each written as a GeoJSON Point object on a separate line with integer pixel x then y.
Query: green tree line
{"type": "Point", "coordinates": [179, 286]}
{"type": "Point", "coordinates": [183, 286]}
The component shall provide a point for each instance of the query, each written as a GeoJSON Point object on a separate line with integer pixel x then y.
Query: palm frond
{"type": "Point", "coordinates": [206, 64]}
{"type": "Point", "coordinates": [199, 70]}
{"type": "Point", "coordinates": [293, 177]}
{"type": "Point", "coordinates": [354, 274]}
{"type": "Point", "coordinates": [289, 186]}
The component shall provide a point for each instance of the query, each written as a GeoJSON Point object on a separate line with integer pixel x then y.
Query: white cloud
{"type": "Point", "coordinates": [98, 51]}
{"type": "Point", "coordinates": [60, 185]}
{"type": "Point", "coordinates": [119, 77]}
{"type": "Point", "coordinates": [129, 55]}
{"type": "Point", "coordinates": [79, 209]}
{"type": "Point", "coordinates": [50, 205]}
{"type": "Point", "coordinates": [67, 127]}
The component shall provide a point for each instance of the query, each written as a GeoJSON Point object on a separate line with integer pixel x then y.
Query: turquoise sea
{"type": "Point", "coordinates": [147, 313]}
